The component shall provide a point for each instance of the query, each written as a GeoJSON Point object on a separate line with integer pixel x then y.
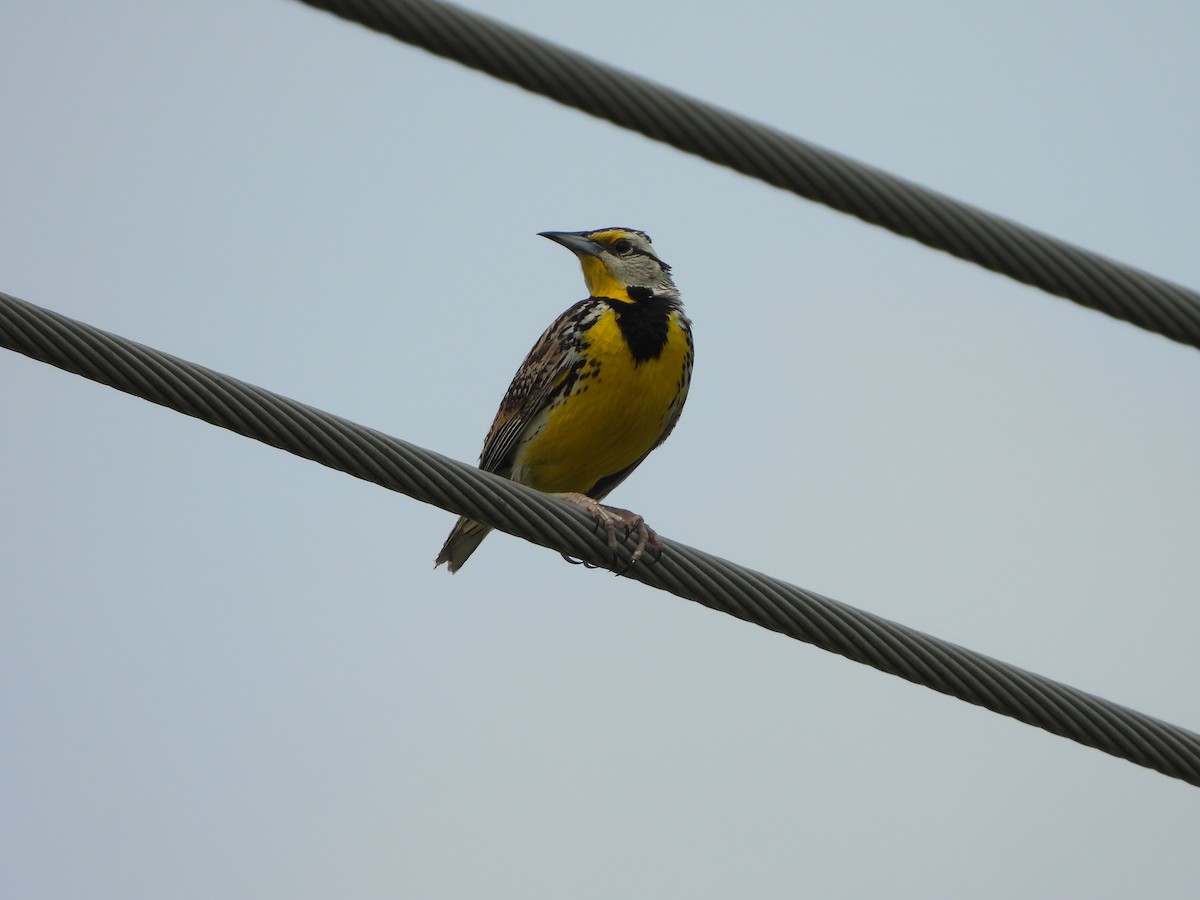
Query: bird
{"type": "Point", "coordinates": [603, 386]}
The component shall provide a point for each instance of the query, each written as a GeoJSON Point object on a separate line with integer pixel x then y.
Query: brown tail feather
{"type": "Point", "coordinates": [464, 537]}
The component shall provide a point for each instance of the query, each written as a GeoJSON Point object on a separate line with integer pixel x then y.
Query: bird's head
{"type": "Point", "coordinates": [617, 259]}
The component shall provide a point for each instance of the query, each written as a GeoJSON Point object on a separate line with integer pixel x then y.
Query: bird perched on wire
{"type": "Point", "coordinates": [602, 387]}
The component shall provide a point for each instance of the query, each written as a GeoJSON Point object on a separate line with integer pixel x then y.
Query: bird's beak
{"type": "Point", "coordinates": [576, 241]}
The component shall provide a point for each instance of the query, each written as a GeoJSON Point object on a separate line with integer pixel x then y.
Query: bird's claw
{"type": "Point", "coordinates": [609, 518]}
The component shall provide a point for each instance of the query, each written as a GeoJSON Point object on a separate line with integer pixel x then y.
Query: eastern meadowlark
{"type": "Point", "coordinates": [602, 387]}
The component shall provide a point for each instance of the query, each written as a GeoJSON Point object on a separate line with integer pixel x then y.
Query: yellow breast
{"type": "Point", "coordinates": [615, 413]}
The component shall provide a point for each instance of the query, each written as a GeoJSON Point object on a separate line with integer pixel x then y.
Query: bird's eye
{"type": "Point", "coordinates": [622, 246]}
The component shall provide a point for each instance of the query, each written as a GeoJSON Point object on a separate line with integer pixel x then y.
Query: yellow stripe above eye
{"type": "Point", "coordinates": [610, 236]}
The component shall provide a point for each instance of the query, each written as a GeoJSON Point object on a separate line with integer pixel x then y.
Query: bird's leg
{"type": "Point", "coordinates": [609, 517]}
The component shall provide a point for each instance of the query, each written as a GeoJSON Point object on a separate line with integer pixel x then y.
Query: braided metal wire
{"type": "Point", "coordinates": [723, 586]}
{"type": "Point", "coordinates": [784, 161]}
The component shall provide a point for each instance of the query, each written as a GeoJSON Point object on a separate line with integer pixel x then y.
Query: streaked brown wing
{"type": "Point", "coordinates": [550, 361]}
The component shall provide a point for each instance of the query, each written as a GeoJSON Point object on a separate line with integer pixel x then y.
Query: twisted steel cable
{"type": "Point", "coordinates": [784, 161]}
{"type": "Point", "coordinates": [723, 586]}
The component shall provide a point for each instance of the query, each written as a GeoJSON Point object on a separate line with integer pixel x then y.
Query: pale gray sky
{"type": "Point", "coordinates": [228, 672]}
